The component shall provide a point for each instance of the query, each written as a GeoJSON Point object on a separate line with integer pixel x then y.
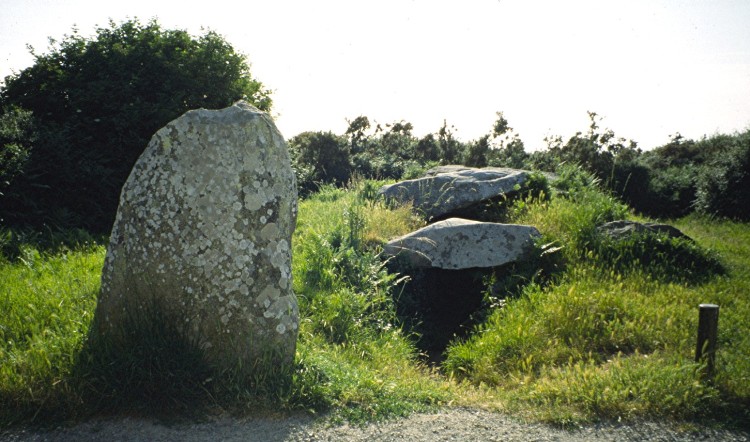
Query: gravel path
{"type": "Point", "coordinates": [450, 425]}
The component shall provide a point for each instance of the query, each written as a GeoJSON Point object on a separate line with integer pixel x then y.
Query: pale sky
{"type": "Point", "coordinates": [649, 67]}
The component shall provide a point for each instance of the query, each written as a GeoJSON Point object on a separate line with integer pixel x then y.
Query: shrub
{"type": "Point", "coordinates": [16, 138]}
{"type": "Point", "coordinates": [320, 157]}
{"type": "Point", "coordinates": [723, 187]}
{"type": "Point", "coordinates": [670, 193]}
{"type": "Point", "coordinates": [380, 165]}
{"type": "Point", "coordinates": [511, 155]}
{"type": "Point", "coordinates": [477, 152]}
{"type": "Point", "coordinates": [97, 101]}
{"type": "Point", "coordinates": [663, 180]}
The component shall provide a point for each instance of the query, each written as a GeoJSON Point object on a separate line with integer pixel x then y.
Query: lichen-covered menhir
{"type": "Point", "coordinates": [203, 234]}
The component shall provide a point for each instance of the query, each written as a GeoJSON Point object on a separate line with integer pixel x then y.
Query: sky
{"type": "Point", "coordinates": [649, 68]}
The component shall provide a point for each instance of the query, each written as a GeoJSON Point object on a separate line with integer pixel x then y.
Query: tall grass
{"type": "Point", "coordinates": [354, 359]}
{"type": "Point", "coordinates": [47, 303]}
{"type": "Point", "coordinates": [614, 336]}
{"type": "Point", "coordinates": [610, 335]}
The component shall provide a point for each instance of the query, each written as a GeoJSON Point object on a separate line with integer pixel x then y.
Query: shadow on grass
{"type": "Point", "coordinates": [665, 259]}
{"type": "Point", "coordinates": [151, 370]}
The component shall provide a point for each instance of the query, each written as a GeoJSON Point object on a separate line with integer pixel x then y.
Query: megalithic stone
{"type": "Point", "coordinates": [203, 235]}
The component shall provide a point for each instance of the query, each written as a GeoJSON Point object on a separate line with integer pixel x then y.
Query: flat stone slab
{"type": "Point", "coordinates": [457, 243]}
{"type": "Point", "coordinates": [623, 229]}
{"type": "Point", "coordinates": [446, 189]}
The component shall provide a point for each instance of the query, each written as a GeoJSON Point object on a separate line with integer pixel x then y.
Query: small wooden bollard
{"type": "Point", "coordinates": [708, 324]}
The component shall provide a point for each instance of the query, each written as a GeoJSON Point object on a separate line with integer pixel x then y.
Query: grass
{"type": "Point", "coordinates": [47, 303]}
{"type": "Point", "coordinates": [599, 337]}
{"type": "Point", "coordinates": [353, 358]}
{"type": "Point", "coordinates": [353, 361]}
{"type": "Point", "coordinates": [614, 338]}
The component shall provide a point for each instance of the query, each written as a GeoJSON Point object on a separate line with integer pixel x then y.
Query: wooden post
{"type": "Point", "coordinates": [708, 323]}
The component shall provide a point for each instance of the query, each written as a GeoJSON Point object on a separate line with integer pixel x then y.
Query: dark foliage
{"type": "Point", "coordinates": [662, 183]}
{"type": "Point", "coordinates": [14, 244]}
{"type": "Point", "coordinates": [723, 186]}
{"type": "Point", "coordinates": [95, 103]}
{"type": "Point", "coordinates": [320, 158]}
{"type": "Point", "coordinates": [16, 139]}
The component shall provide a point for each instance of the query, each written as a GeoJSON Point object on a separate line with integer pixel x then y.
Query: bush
{"type": "Point", "coordinates": [96, 102]}
{"type": "Point", "coordinates": [723, 186]}
{"type": "Point", "coordinates": [511, 155]}
{"type": "Point", "coordinates": [662, 181]}
{"type": "Point", "coordinates": [671, 192]}
{"type": "Point", "coordinates": [318, 158]}
{"type": "Point", "coordinates": [16, 137]}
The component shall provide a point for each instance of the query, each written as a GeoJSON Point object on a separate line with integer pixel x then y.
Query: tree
{"type": "Point", "coordinates": [398, 141]}
{"type": "Point", "coordinates": [501, 126]}
{"type": "Point", "coordinates": [427, 149]}
{"type": "Point", "coordinates": [596, 151]}
{"type": "Point", "coordinates": [509, 148]}
{"type": "Point", "coordinates": [450, 148]}
{"type": "Point", "coordinates": [320, 157]}
{"type": "Point", "coordinates": [511, 153]}
{"type": "Point", "coordinates": [97, 101]}
{"type": "Point", "coordinates": [477, 152]}
{"type": "Point", "coordinates": [356, 133]}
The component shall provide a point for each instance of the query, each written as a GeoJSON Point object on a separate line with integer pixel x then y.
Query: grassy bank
{"type": "Point", "coordinates": [613, 335]}
{"type": "Point", "coordinates": [607, 332]}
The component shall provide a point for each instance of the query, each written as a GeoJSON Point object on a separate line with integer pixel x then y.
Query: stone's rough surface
{"type": "Point", "coordinates": [623, 229]}
{"type": "Point", "coordinates": [457, 243]}
{"type": "Point", "coordinates": [446, 189]}
{"type": "Point", "coordinates": [203, 236]}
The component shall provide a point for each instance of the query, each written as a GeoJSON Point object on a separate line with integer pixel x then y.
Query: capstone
{"type": "Point", "coordinates": [622, 229]}
{"type": "Point", "coordinates": [447, 189]}
{"type": "Point", "coordinates": [458, 243]}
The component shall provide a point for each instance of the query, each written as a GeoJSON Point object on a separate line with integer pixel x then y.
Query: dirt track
{"type": "Point", "coordinates": [449, 425]}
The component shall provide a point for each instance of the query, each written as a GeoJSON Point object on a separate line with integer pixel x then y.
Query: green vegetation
{"type": "Point", "coordinates": [47, 301]}
{"type": "Point", "coordinates": [614, 336]}
{"type": "Point", "coordinates": [707, 176]}
{"type": "Point", "coordinates": [73, 124]}
{"type": "Point", "coordinates": [353, 356]}
{"type": "Point", "coordinates": [353, 359]}
{"type": "Point", "coordinates": [593, 328]}
{"type": "Point", "coordinates": [598, 338]}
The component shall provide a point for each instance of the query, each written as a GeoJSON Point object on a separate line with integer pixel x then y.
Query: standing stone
{"type": "Point", "coordinates": [203, 237]}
